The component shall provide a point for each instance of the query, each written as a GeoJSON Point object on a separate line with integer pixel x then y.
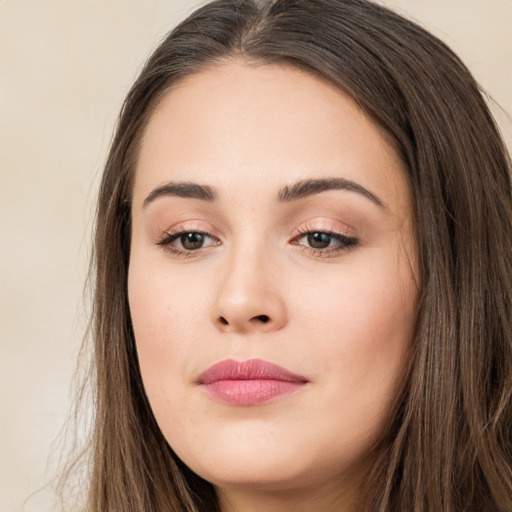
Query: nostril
{"type": "Point", "coordinates": [223, 320]}
{"type": "Point", "coordinates": [262, 318]}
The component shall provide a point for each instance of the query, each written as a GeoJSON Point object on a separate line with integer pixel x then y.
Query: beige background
{"type": "Point", "coordinates": [65, 67]}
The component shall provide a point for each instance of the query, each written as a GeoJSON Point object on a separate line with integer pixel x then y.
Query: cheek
{"type": "Point", "coordinates": [164, 322]}
{"type": "Point", "coordinates": [360, 323]}
{"type": "Point", "coordinates": [370, 301]}
{"type": "Point", "coordinates": [163, 314]}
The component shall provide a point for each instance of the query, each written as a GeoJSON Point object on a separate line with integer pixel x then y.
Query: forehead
{"type": "Point", "coordinates": [262, 127]}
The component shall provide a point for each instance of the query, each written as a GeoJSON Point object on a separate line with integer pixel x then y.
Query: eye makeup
{"type": "Point", "coordinates": [323, 243]}
{"type": "Point", "coordinates": [183, 241]}
{"type": "Point", "coordinates": [187, 241]}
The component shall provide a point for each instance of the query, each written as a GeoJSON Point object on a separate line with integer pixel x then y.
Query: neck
{"type": "Point", "coordinates": [245, 502]}
{"type": "Point", "coordinates": [327, 497]}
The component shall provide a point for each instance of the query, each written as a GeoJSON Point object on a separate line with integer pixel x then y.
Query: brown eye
{"type": "Point", "coordinates": [319, 240]}
{"type": "Point", "coordinates": [192, 241]}
{"type": "Point", "coordinates": [183, 243]}
{"type": "Point", "coordinates": [325, 243]}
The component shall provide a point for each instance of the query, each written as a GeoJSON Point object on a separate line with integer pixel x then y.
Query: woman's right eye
{"type": "Point", "coordinates": [186, 242]}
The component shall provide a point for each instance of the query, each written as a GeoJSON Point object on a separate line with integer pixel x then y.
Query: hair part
{"type": "Point", "coordinates": [449, 444]}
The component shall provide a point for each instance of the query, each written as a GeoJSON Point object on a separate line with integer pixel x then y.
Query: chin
{"type": "Point", "coordinates": [246, 460]}
{"type": "Point", "coordinates": [258, 464]}
{"type": "Point", "coordinates": [263, 478]}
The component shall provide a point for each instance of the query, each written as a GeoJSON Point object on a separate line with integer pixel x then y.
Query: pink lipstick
{"type": "Point", "coordinates": [250, 382]}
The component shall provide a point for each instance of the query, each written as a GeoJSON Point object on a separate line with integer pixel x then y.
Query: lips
{"type": "Point", "coordinates": [250, 382]}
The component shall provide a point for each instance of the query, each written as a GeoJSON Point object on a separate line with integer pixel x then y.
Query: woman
{"type": "Point", "coordinates": [303, 272]}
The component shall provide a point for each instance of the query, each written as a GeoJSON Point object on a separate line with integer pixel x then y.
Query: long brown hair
{"type": "Point", "coordinates": [449, 445]}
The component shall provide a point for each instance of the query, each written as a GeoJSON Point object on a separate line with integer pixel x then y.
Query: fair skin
{"type": "Point", "coordinates": [322, 283]}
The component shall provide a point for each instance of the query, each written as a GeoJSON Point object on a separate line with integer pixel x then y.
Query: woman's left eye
{"type": "Point", "coordinates": [325, 242]}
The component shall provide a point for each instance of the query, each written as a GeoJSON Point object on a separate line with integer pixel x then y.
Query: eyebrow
{"type": "Point", "coordinates": [310, 187]}
{"type": "Point", "coordinates": [182, 189]}
{"type": "Point", "coordinates": [287, 194]}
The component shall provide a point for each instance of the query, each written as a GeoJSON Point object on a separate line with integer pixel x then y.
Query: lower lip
{"type": "Point", "coordinates": [250, 392]}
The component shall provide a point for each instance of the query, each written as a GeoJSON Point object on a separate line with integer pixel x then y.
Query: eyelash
{"type": "Point", "coordinates": [345, 242]}
{"type": "Point", "coordinates": [174, 234]}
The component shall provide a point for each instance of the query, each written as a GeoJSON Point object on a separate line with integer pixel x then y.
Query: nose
{"type": "Point", "coordinates": [249, 297]}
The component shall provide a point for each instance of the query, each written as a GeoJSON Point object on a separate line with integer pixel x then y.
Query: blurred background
{"type": "Point", "coordinates": [65, 67]}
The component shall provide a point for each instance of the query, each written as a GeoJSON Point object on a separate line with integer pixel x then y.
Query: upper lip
{"type": "Point", "coordinates": [251, 369]}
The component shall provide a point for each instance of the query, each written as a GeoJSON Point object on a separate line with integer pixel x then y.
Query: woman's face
{"type": "Point", "coordinates": [272, 225]}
